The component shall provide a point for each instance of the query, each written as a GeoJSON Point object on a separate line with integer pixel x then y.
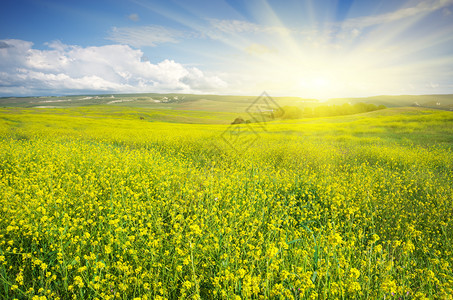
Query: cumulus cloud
{"type": "Point", "coordinates": [4, 45]}
{"type": "Point", "coordinates": [112, 68]}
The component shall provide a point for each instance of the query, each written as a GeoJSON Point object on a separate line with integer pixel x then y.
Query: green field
{"type": "Point", "coordinates": [169, 202]}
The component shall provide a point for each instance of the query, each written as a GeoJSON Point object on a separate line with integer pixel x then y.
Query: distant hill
{"type": "Point", "coordinates": [216, 103]}
{"type": "Point", "coordinates": [444, 102]}
{"type": "Point", "coordinates": [222, 103]}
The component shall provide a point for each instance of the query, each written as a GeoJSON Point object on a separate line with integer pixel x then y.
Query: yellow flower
{"type": "Point", "coordinates": [272, 250]}
{"type": "Point", "coordinates": [408, 247]}
{"type": "Point", "coordinates": [79, 281]}
{"type": "Point", "coordinates": [43, 266]}
{"type": "Point", "coordinates": [375, 238]}
{"type": "Point", "coordinates": [335, 239]}
{"type": "Point", "coordinates": [354, 287]}
{"type": "Point", "coordinates": [187, 285]}
{"type": "Point", "coordinates": [378, 249]}
{"type": "Point", "coordinates": [241, 273]}
{"type": "Point", "coordinates": [195, 229]}
{"type": "Point", "coordinates": [335, 288]}
{"type": "Point", "coordinates": [354, 273]}
{"type": "Point", "coordinates": [388, 285]}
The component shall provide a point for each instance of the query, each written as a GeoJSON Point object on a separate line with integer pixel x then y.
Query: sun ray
{"type": "Point", "coordinates": [324, 57]}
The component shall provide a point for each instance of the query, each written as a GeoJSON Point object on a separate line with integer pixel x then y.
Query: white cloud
{"type": "Point", "coordinates": [144, 35]}
{"type": "Point", "coordinates": [238, 26]}
{"type": "Point", "coordinates": [4, 45]}
{"type": "Point", "coordinates": [113, 68]}
{"type": "Point", "coordinates": [355, 32]}
{"type": "Point", "coordinates": [422, 7]}
{"type": "Point", "coordinates": [134, 17]}
{"type": "Point", "coordinates": [235, 26]}
{"type": "Point", "coordinates": [258, 49]}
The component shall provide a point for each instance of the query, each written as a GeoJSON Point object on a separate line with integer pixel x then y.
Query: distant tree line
{"type": "Point", "coordinates": [293, 112]}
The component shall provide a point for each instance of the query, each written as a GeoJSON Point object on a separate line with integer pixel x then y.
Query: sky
{"type": "Point", "coordinates": [309, 48]}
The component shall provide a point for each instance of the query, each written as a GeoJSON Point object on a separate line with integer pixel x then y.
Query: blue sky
{"type": "Point", "coordinates": [312, 48]}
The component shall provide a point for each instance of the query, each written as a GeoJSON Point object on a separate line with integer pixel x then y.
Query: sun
{"type": "Point", "coordinates": [320, 82]}
{"type": "Point", "coordinates": [313, 86]}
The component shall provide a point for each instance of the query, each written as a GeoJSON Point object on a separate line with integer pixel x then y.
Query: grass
{"type": "Point", "coordinates": [97, 203]}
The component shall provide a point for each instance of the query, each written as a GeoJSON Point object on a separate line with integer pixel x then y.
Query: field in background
{"type": "Point", "coordinates": [124, 202]}
{"type": "Point", "coordinates": [216, 103]}
{"type": "Point", "coordinates": [211, 103]}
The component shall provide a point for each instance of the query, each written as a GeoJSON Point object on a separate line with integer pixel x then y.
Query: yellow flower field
{"type": "Point", "coordinates": [113, 207]}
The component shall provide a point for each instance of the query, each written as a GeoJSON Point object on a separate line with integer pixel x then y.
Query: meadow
{"type": "Point", "coordinates": [97, 203]}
